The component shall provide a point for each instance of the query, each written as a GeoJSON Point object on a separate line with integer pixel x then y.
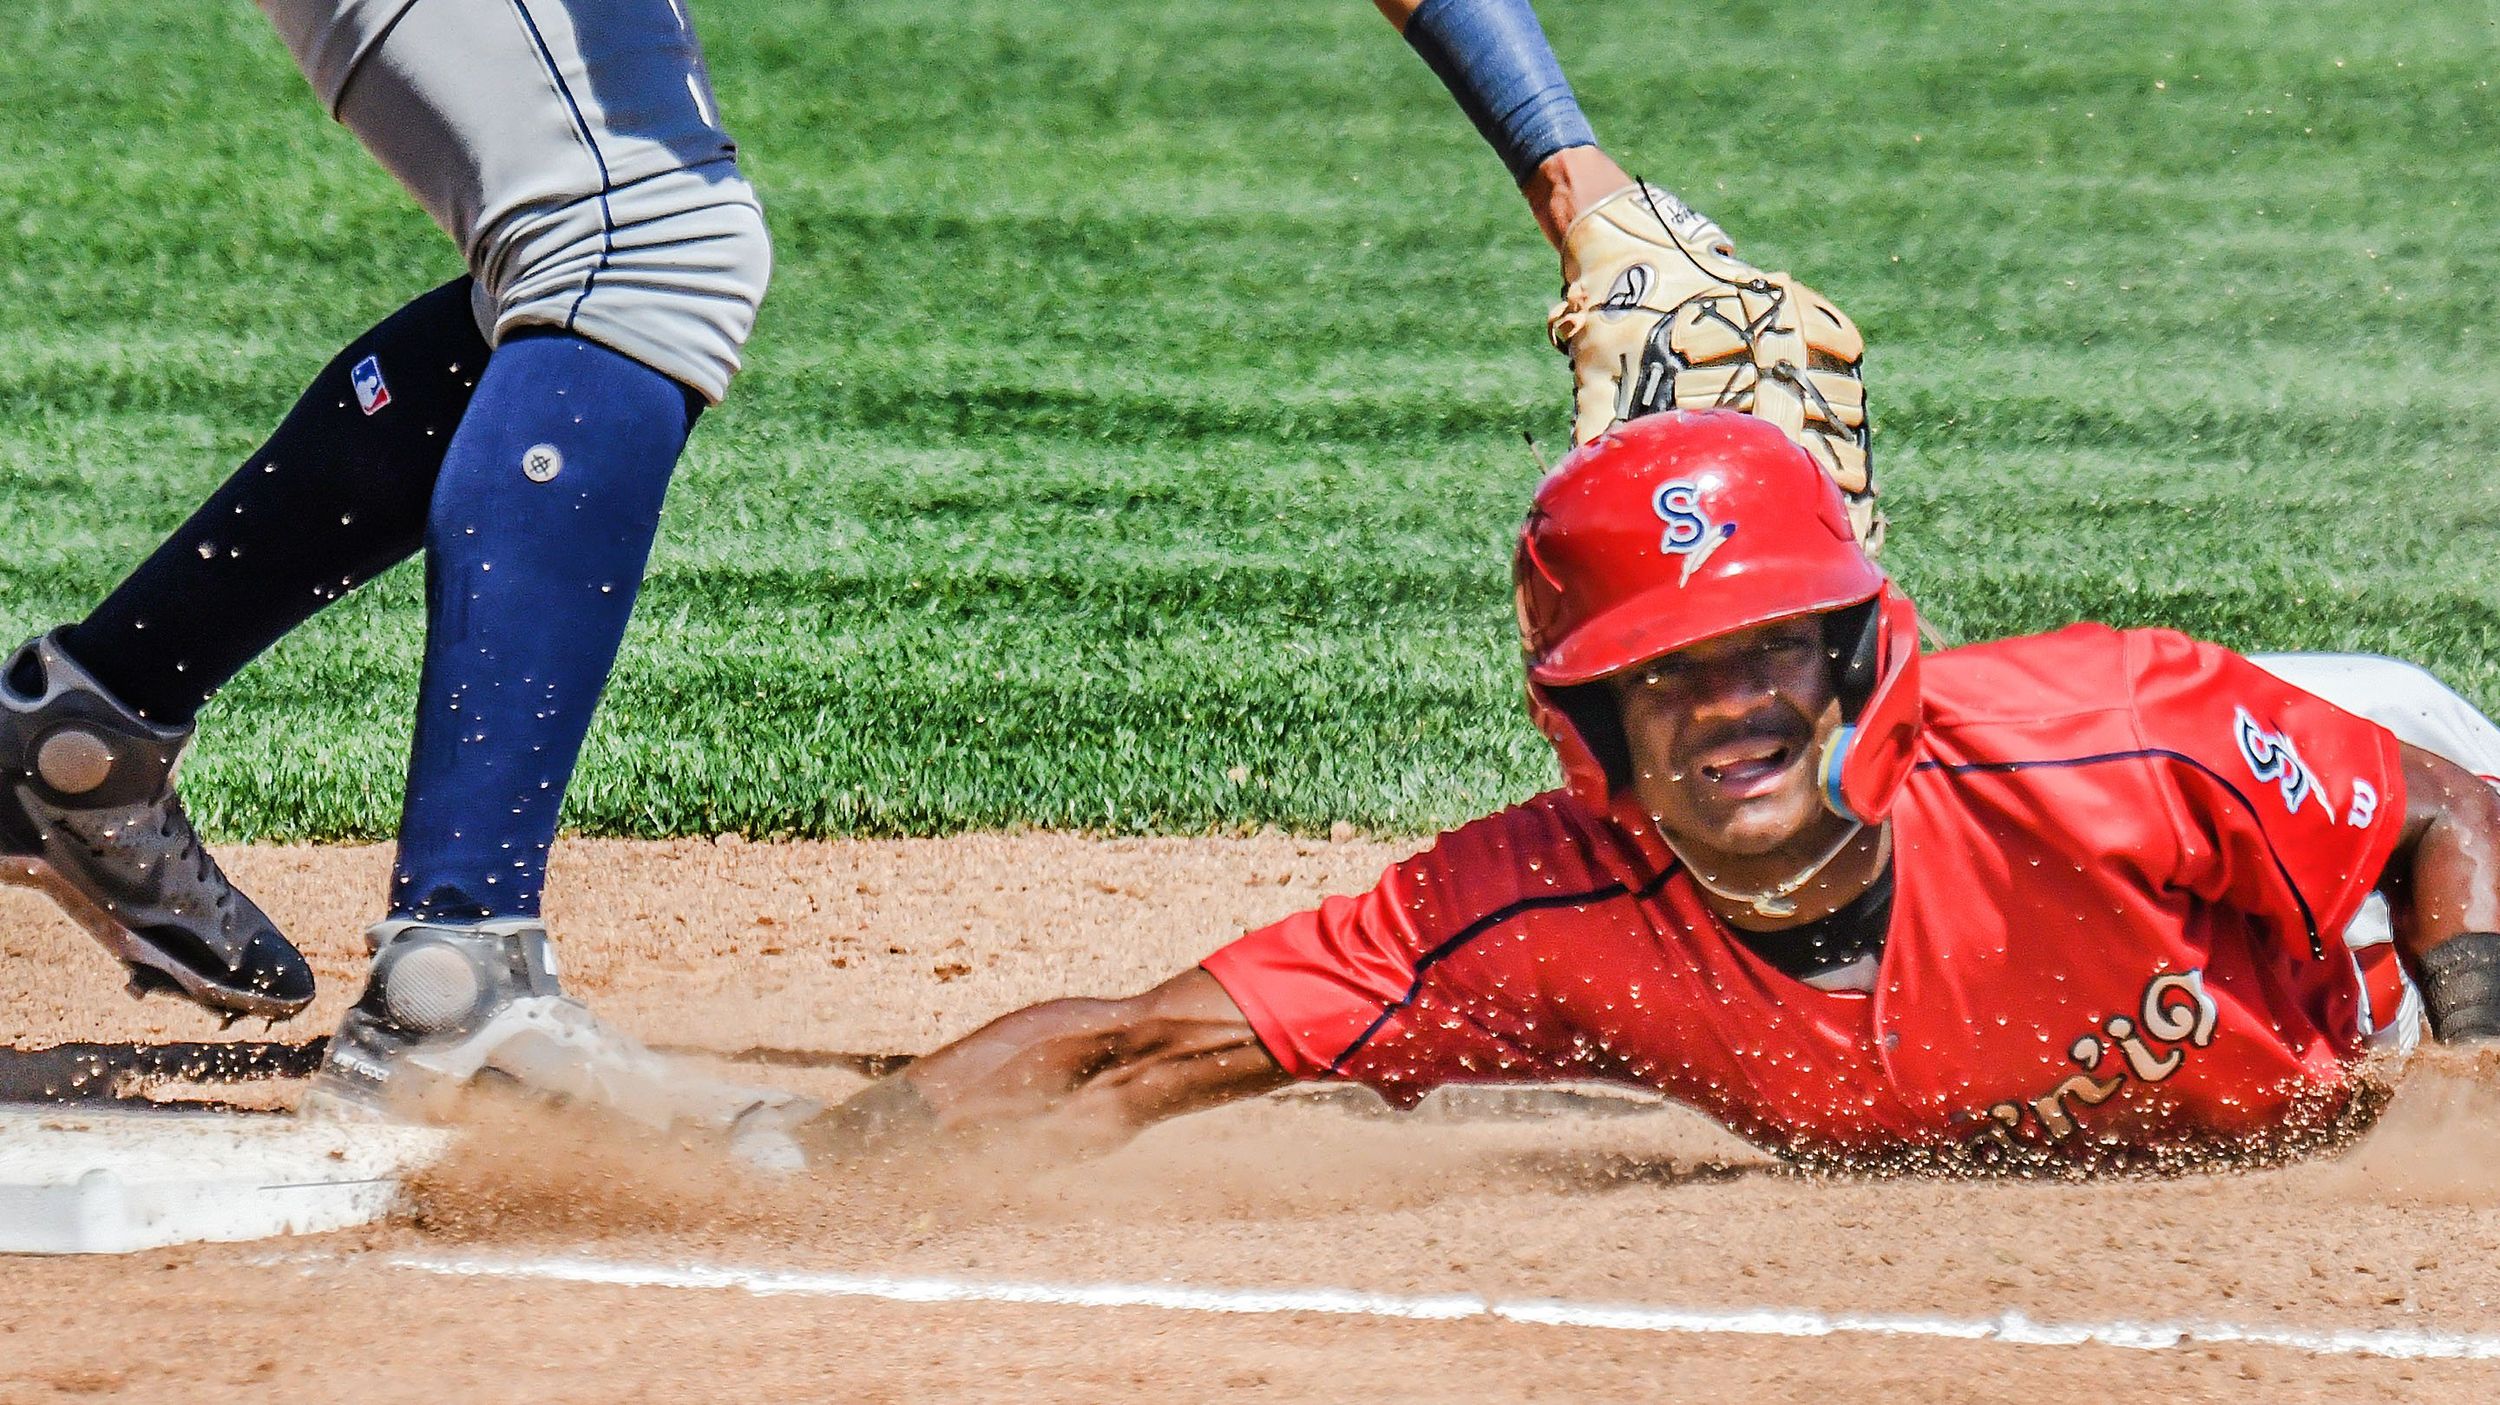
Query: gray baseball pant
{"type": "Point", "coordinates": [573, 151]}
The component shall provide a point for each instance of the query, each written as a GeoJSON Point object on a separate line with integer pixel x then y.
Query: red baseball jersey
{"type": "Point", "coordinates": [2123, 866]}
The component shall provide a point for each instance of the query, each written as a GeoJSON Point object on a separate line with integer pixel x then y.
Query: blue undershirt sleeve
{"type": "Point", "coordinates": [1493, 57]}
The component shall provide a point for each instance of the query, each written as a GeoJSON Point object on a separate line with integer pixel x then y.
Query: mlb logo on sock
{"type": "Point", "coordinates": [370, 391]}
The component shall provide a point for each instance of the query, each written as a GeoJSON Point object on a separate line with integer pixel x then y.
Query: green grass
{"type": "Point", "coordinates": [1132, 437]}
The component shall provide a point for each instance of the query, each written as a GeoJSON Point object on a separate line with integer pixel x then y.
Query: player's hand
{"type": "Point", "coordinates": [1658, 313]}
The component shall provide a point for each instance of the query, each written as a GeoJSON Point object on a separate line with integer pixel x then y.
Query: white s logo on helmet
{"type": "Point", "coordinates": [1690, 533]}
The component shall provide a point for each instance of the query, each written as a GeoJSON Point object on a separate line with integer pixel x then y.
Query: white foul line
{"type": "Point", "coordinates": [2010, 1328]}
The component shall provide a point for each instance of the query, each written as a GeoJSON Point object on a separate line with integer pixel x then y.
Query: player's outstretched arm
{"type": "Point", "coordinates": [1062, 1079]}
{"type": "Point", "coordinates": [2444, 884]}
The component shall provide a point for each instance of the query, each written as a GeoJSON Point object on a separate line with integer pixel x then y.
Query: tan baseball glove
{"type": "Point", "coordinates": [1658, 313]}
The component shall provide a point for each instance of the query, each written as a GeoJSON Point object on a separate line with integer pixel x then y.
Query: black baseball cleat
{"type": "Point", "coordinates": [88, 814]}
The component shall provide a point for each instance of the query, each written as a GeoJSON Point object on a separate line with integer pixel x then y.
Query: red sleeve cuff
{"type": "Point", "coordinates": [1297, 1012]}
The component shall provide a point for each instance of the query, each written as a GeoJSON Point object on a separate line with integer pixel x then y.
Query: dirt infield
{"type": "Point", "coordinates": [803, 951]}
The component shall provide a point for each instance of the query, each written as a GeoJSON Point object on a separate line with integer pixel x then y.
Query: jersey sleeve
{"type": "Point", "coordinates": [2288, 806]}
{"type": "Point", "coordinates": [1424, 980]}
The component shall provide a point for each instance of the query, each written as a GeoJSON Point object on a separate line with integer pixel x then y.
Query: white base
{"type": "Point", "coordinates": [111, 1181]}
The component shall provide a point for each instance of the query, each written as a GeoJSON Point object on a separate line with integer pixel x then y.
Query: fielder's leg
{"type": "Point", "coordinates": [543, 519]}
{"type": "Point", "coordinates": [572, 151]}
{"type": "Point", "coordinates": [95, 717]}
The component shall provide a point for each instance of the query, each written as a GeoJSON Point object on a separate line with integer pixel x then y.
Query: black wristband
{"type": "Point", "coordinates": [2460, 981]}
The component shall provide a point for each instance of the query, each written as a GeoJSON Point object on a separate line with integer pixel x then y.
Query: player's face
{"type": "Point", "coordinates": [1724, 736]}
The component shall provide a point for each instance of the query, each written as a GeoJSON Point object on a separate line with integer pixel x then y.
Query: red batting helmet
{"type": "Point", "coordinates": [1680, 527]}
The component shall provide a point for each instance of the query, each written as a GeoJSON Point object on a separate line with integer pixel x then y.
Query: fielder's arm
{"type": "Point", "coordinates": [1066, 1078]}
{"type": "Point", "coordinates": [1493, 57]}
{"type": "Point", "coordinates": [1657, 311]}
{"type": "Point", "coordinates": [2443, 883]}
